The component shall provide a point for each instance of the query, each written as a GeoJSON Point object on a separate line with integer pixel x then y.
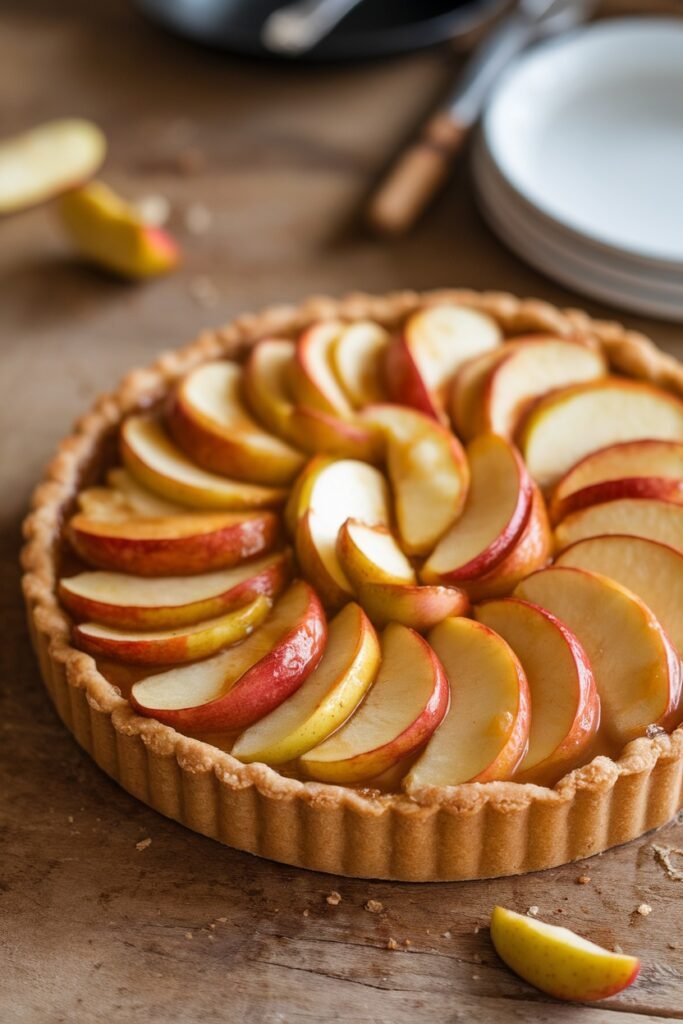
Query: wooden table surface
{"type": "Point", "coordinates": [97, 925]}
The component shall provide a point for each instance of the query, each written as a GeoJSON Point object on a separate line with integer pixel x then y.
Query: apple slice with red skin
{"type": "Point", "coordinates": [467, 388]}
{"type": "Point", "coordinates": [485, 733]}
{"type": "Point", "coordinates": [357, 358]}
{"type": "Point", "coordinates": [175, 646]}
{"type": "Point", "coordinates": [318, 432]}
{"type": "Point", "coordinates": [124, 498]}
{"type": "Point", "coordinates": [265, 384]}
{"type": "Point", "coordinates": [311, 377]}
{"type": "Point", "coordinates": [640, 517]}
{"type": "Point", "coordinates": [370, 554]}
{"type": "Point", "coordinates": [496, 510]}
{"type": "Point", "coordinates": [403, 707]}
{"type": "Point", "coordinates": [564, 698]}
{"type": "Point", "coordinates": [637, 670]}
{"type": "Point", "coordinates": [242, 684]}
{"type": "Point", "coordinates": [143, 602]}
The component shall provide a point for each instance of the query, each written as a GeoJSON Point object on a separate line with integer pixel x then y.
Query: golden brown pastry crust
{"type": "Point", "coordinates": [468, 831]}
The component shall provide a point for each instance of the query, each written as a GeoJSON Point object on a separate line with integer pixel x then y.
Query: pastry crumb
{"type": "Point", "coordinates": [221, 920]}
{"type": "Point", "coordinates": [446, 935]}
{"type": "Point", "coordinates": [333, 899]}
{"type": "Point", "coordinates": [644, 909]}
{"type": "Point", "coordinates": [407, 942]}
{"type": "Point", "coordinates": [476, 929]}
{"type": "Point", "coordinates": [664, 855]}
{"type": "Point", "coordinates": [616, 948]}
{"type": "Point", "coordinates": [143, 844]}
{"type": "Point", "coordinates": [373, 906]}
{"type": "Point", "coordinates": [188, 935]}
{"type": "Point", "coordinates": [392, 944]}
{"type": "Point", "coordinates": [475, 977]}
{"type": "Point", "coordinates": [583, 879]}
{"type": "Point", "coordinates": [533, 911]}
{"type": "Point", "coordinates": [70, 819]}
{"type": "Point", "coordinates": [306, 912]}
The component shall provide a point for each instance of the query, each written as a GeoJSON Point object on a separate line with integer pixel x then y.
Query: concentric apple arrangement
{"type": "Point", "coordinates": [347, 444]}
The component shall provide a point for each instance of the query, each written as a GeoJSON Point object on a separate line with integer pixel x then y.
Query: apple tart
{"type": "Point", "coordinates": [386, 586]}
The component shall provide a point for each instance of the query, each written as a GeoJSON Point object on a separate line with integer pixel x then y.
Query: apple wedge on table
{"type": "Point", "coordinates": [640, 517]}
{"type": "Point", "coordinates": [485, 732]}
{"type": "Point", "coordinates": [325, 700]}
{"type": "Point", "coordinates": [564, 699]}
{"type": "Point", "coordinates": [402, 709]}
{"type": "Point", "coordinates": [357, 358]}
{"type": "Point", "coordinates": [240, 685]}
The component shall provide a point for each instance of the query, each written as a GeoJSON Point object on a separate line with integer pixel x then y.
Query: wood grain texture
{"type": "Point", "coordinates": [93, 928]}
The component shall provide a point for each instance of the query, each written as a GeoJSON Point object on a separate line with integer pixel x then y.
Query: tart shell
{"type": "Point", "coordinates": [462, 832]}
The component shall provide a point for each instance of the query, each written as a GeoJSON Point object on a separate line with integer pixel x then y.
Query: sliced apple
{"type": "Point", "coordinates": [636, 669]}
{"type": "Point", "coordinates": [370, 554]}
{"type": "Point", "coordinates": [639, 517]}
{"type": "Point", "coordinates": [209, 422]}
{"type": "Point", "coordinates": [124, 498]}
{"type": "Point", "coordinates": [153, 459]}
{"type": "Point", "coordinates": [484, 736]}
{"type": "Point", "coordinates": [242, 684]}
{"type": "Point", "coordinates": [422, 360]}
{"type": "Point", "coordinates": [495, 513]}
{"type": "Point", "coordinates": [265, 384]}
{"type": "Point", "coordinates": [328, 697]}
{"type": "Point", "coordinates": [317, 432]}
{"type": "Point", "coordinates": [569, 424]}
{"type": "Point", "coordinates": [558, 961]}
{"type": "Point", "coordinates": [177, 545]}
{"type": "Point", "coordinates": [564, 698]}
{"type": "Point", "coordinates": [311, 376]}
{"type": "Point", "coordinates": [419, 607]}
{"type": "Point", "coordinates": [357, 358]}
{"type": "Point", "coordinates": [467, 388]}
{"type": "Point", "coordinates": [141, 602]}
{"type": "Point", "coordinates": [428, 472]}
{"type": "Point", "coordinates": [649, 569]}
{"type": "Point", "coordinates": [175, 646]}
{"type": "Point", "coordinates": [405, 705]}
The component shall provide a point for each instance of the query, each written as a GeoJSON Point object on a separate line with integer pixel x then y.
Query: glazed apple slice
{"type": "Point", "coordinates": [569, 424]}
{"type": "Point", "coordinates": [649, 569]}
{"type": "Point", "coordinates": [636, 669]}
{"type": "Point", "coordinates": [428, 472]}
{"type": "Point", "coordinates": [317, 432]}
{"type": "Point", "coordinates": [485, 733]}
{"type": "Point", "coordinates": [370, 554]}
{"type": "Point", "coordinates": [639, 517]}
{"type": "Point", "coordinates": [311, 376]}
{"type": "Point", "coordinates": [558, 961]}
{"type": "Point", "coordinates": [209, 422]}
{"type": "Point", "coordinates": [244, 683]}
{"type": "Point", "coordinates": [401, 711]}
{"type": "Point", "coordinates": [265, 384]}
{"type": "Point", "coordinates": [153, 459]}
{"type": "Point", "coordinates": [124, 498]}
{"type": "Point", "coordinates": [423, 358]}
{"type": "Point", "coordinates": [564, 698]}
{"type": "Point", "coordinates": [175, 646]}
{"type": "Point", "coordinates": [141, 602]}
{"type": "Point", "coordinates": [357, 358]}
{"type": "Point", "coordinates": [327, 698]}
{"type": "Point", "coordinates": [467, 388]}
{"type": "Point", "coordinates": [177, 545]}
{"type": "Point", "coordinates": [497, 507]}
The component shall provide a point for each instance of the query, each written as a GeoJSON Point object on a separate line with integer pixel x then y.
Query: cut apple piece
{"type": "Point", "coordinates": [265, 384]}
{"type": "Point", "coordinates": [405, 705]}
{"type": "Point", "coordinates": [209, 422]}
{"type": "Point", "coordinates": [47, 160]}
{"type": "Point", "coordinates": [639, 517]}
{"type": "Point", "coordinates": [636, 669]}
{"type": "Point", "coordinates": [467, 388]}
{"type": "Point", "coordinates": [419, 607]}
{"type": "Point", "coordinates": [242, 684]}
{"type": "Point", "coordinates": [311, 376]}
{"type": "Point", "coordinates": [124, 498]}
{"type": "Point", "coordinates": [370, 554]}
{"type": "Point", "coordinates": [564, 698]}
{"type": "Point", "coordinates": [651, 570]}
{"type": "Point", "coordinates": [327, 698]}
{"type": "Point", "coordinates": [157, 463]}
{"type": "Point", "coordinates": [111, 233]}
{"type": "Point", "coordinates": [178, 545]}
{"type": "Point", "coordinates": [569, 424]}
{"type": "Point", "coordinates": [318, 432]}
{"type": "Point", "coordinates": [422, 360]}
{"type": "Point", "coordinates": [357, 358]}
{"type": "Point", "coordinates": [176, 646]}
{"type": "Point", "coordinates": [140, 602]}
{"type": "Point", "coordinates": [428, 472]}
{"type": "Point", "coordinates": [497, 507]}
{"type": "Point", "coordinates": [558, 961]}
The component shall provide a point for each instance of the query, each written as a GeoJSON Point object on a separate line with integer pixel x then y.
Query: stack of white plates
{"type": "Point", "coordinates": [579, 164]}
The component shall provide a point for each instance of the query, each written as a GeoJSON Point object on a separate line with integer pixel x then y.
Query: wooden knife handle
{"type": "Point", "coordinates": [416, 176]}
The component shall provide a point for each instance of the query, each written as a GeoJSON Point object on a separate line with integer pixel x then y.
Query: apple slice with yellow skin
{"type": "Point", "coordinates": [557, 961]}
{"type": "Point", "coordinates": [404, 706]}
{"type": "Point", "coordinates": [564, 698]}
{"type": "Point", "coordinates": [485, 733]}
{"type": "Point", "coordinates": [328, 697]}
{"type": "Point", "coordinates": [209, 422]}
{"type": "Point", "coordinates": [428, 472]}
{"type": "Point", "coordinates": [318, 432]}
{"type": "Point", "coordinates": [246, 682]}
{"type": "Point", "coordinates": [143, 602]}
{"type": "Point", "coordinates": [467, 388]}
{"type": "Point", "coordinates": [370, 554]}
{"type": "Point", "coordinates": [176, 646]}
{"type": "Point", "coordinates": [152, 458]}
{"type": "Point", "coordinates": [649, 569]}
{"type": "Point", "coordinates": [496, 510]}
{"type": "Point", "coordinates": [636, 669]}
{"type": "Point", "coordinates": [640, 517]}
{"type": "Point", "coordinates": [265, 384]}
{"type": "Point", "coordinates": [47, 160]}
{"type": "Point", "coordinates": [111, 233]}
{"type": "Point", "coordinates": [569, 424]}
{"type": "Point", "coordinates": [422, 360]}
{"type": "Point", "coordinates": [179, 545]}
{"type": "Point", "coordinates": [357, 358]}
{"type": "Point", "coordinates": [124, 498]}
{"type": "Point", "coordinates": [311, 377]}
